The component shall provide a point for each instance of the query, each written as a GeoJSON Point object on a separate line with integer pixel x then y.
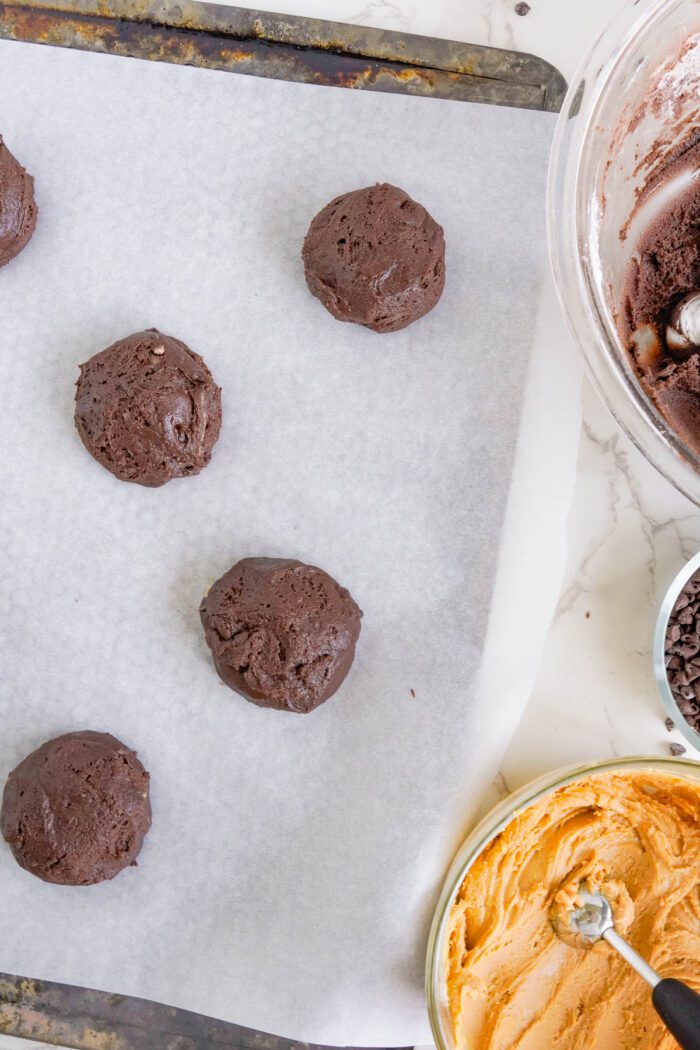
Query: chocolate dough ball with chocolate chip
{"type": "Point", "coordinates": [375, 257]}
{"type": "Point", "coordinates": [76, 810]}
{"type": "Point", "coordinates": [18, 210]}
{"type": "Point", "coordinates": [282, 634]}
{"type": "Point", "coordinates": [148, 409]}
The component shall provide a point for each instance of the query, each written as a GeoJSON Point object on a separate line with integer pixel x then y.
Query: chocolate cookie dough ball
{"type": "Point", "coordinates": [76, 810]}
{"type": "Point", "coordinates": [282, 634]}
{"type": "Point", "coordinates": [18, 208]}
{"type": "Point", "coordinates": [148, 409]}
{"type": "Point", "coordinates": [375, 257]}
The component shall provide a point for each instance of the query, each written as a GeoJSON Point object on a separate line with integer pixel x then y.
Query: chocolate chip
{"type": "Point", "coordinates": [670, 724]}
{"type": "Point", "coordinates": [676, 750]}
{"type": "Point", "coordinates": [682, 652]}
{"type": "Point", "coordinates": [522, 9]}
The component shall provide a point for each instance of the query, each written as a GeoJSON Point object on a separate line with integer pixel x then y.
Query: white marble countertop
{"type": "Point", "coordinates": [629, 530]}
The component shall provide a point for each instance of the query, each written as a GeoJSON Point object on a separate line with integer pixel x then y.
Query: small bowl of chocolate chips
{"type": "Point", "coordinates": [677, 652]}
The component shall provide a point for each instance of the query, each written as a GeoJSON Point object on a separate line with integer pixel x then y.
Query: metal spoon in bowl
{"type": "Point", "coordinates": [677, 1005]}
{"type": "Point", "coordinates": [683, 329]}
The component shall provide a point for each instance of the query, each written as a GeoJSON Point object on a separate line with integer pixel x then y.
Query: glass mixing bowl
{"type": "Point", "coordinates": [603, 132]}
{"type": "Point", "coordinates": [492, 824]}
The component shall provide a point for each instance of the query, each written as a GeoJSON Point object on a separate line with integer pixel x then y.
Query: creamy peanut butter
{"type": "Point", "coordinates": [513, 984]}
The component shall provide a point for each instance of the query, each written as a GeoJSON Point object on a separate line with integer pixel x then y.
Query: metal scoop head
{"type": "Point", "coordinates": [592, 921]}
{"type": "Point", "coordinates": [593, 918]}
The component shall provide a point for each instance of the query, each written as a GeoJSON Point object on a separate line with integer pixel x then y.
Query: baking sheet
{"type": "Point", "coordinates": [289, 877]}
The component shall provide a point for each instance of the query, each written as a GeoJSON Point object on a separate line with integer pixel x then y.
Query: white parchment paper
{"type": "Point", "coordinates": [293, 864]}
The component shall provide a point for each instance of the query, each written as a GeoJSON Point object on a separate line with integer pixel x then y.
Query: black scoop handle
{"type": "Point", "coordinates": [678, 1006]}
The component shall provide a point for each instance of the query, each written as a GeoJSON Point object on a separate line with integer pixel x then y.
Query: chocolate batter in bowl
{"type": "Point", "coordinates": [622, 234]}
{"type": "Point", "coordinates": [499, 978]}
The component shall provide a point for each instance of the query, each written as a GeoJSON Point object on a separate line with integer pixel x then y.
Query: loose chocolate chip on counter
{"type": "Point", "coordinates": [676, 750]}
{"type": "Point", "coordinates": [682, 653]}
{"type": "Point", "coordinates": [670, 724]}
{"type": "Point", "coordinates": [522, 9]}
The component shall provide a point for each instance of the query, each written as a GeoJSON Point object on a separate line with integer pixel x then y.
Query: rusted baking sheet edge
{"type": "Point", "coordinates": [288, 48]}
{"type": "Point", "coordinates": [91, 1020]}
